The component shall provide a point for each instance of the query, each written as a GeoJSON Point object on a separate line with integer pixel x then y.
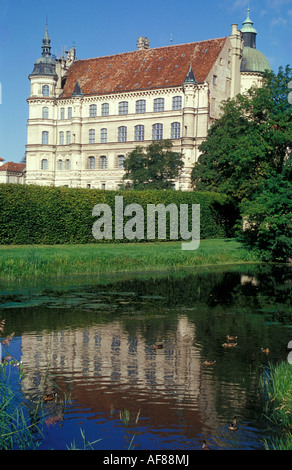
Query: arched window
{"type": "Point", "coordinates": [68, 164]}
{"type": "Point", "coordinates": [176, 102]}
{"type": "Point", "coordinates": [68, 137]}
{"type": "Point", "coordinates": [157, 132]}
{"type": "Point", "coordinates": [140, 106]}
{"type": "Point", "coordinates": [91, 136]}
{"type": "Point", "coordinates": [62, 113]}
{"type": "Point", "coordinates": [44, 164]}
{"type": "Point", "coordinates": [103, 136]}
{"type": "Point", "coordinates": [175, 130]}
{"type": "Point", "coordinates": [61, 138]}
{"type": "Point", "coordinates": [121, 159]}
{"type": "Point", "coordinates": [105, 109]}
{"type": "Point", "coordinates": [46, 90]}
{"type": "Point", "coordinates": [139, 132]}
{"type": "Point", "coordinates": [122, 134]}
{"type": "Point", "coordinates": [45, 137]}
{"type": "Point", "coordinates": [45, 112]}
{"type": "Point", "coordinates": [158, 104]}
{"type": "Point", "coordinates": [70, 113]}
{"type": "Point", "coordinates": [103, 162]}
{"type": "Point", "coordinates": [123, 107]}
{"type": "Point", "coordinates": [60, 164]}
{"type": "Point", "coordinates": [92, 110]}
{"type": "Point", "coordinates": [91, 163]}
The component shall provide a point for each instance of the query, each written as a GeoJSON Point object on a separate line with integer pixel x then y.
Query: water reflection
{"type": "Point", "coordinates": [94, 343]}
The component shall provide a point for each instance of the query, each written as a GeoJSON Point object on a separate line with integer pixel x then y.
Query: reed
{"type": "Point", "coordinates": [279, 404]}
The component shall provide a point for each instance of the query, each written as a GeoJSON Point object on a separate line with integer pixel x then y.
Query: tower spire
{"type": "Point", "coordinates": [249, 33]}
{"type": "Point", "coordinates": [46, 47]}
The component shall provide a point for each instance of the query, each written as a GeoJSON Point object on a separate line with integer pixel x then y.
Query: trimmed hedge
{"type": "Point", "coordinates": [31, 214]}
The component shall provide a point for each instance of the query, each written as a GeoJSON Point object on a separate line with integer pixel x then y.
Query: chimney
{"type": "Point", "coordinates": [143, 43]}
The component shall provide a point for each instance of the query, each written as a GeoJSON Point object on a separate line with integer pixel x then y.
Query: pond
{"type": "Point", "coordinates": [91, 340]}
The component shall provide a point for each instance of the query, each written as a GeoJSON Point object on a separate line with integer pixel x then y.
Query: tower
{"type": "Point", "coordinates": [253, 63]}
{"type": "Point", "coordinates": [43, 77]}
{"type": "Point", "coordinates": [41, 131]}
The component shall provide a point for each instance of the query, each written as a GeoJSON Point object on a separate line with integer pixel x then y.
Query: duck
{"type": "Point", "coordinates": [229, 345]}
{"type": "Point", "coordinates": [49, 397]}
{"type": "Point", "coordinates": [157, 345]}
{"type": "Point", "coordinates": [204, 446]}
{"type": "Point", "coordinates": [231, 338]}
{"type": "Point", "coordinates": [233, 426]}
{"type": "Point", "coordinates": [209, 363]}
{"type": "Point", "coordinates": [266, 351]}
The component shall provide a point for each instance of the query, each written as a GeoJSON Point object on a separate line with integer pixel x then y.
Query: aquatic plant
{"type": "Point", "coordinates": [278, 410]}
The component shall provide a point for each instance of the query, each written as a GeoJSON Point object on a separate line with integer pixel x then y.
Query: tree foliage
{"type": "Point", "coordinates": [269, 220]}
{"type": "Point", "coordinates": [247, 155]}
{"type": "Point", "coordinates": [249, 143]}
{"type": "Point", "coordinates": [155, 167]}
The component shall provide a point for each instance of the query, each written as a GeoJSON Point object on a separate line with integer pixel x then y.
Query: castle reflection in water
{"type": "Point", "coordinates": [103, 367]}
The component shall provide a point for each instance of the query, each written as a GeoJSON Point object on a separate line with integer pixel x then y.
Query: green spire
{"type": "Point", "coordinates": [46, 47]}
{"type": "Point", "coordinates": [248, 25]}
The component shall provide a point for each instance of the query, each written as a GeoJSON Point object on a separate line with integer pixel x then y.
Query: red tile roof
{"type": "Point", "coordinates": [11, 166]}
{"type": "Point", "coordinates": [2, 159]}
{"type": "Point", "coordinates": [143, 69]}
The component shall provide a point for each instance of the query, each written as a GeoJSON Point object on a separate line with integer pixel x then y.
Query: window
{"type": "Point", "coordinates": [68, 164]}
{"type": "Point", "coordinates": [60, 164]}
{"type": "Point", "coordinates": [45, 113]}
{"type": "Point", "coordinates": [91, 163]}
{"type": "Point", "coordinates": [62, 113]}
{"type": "Point", "coordinates": [68, 137]}
{"type": "Point", "coordinates": [123, 107]}
{"type": "Point", "coordinates": [45, 137]}
{"type": "Point", "coordinates": [176, 102]}
{"type": "Point", "coordinates": [139, 132]}
{"type": "Point", "coordinates": [121, 159]}
{"type": "Point", "coordinates": [46, 90]}
{"type": "Point", "coordinates": [92, 110]}
{"type": "Point", "coordinates": [175, 130]}
{"type": "Point", "coordinates": [61, 138]}
{"type": "Point", "coordinates": [91, 136]}
{"type": "Point", "coordinates": [103, 186]}
{"type": "Point", "coordinates": [105, 109]}
{"type": "Point", "coordinates": [103, 136]}
{"type": "Point", "coordinates": [122, 134]}
{"type": "Point", "coordinates": [214, 79]}
{"type": "Point", "coordinates": [70, 113]}
{"type": "Point", "coordinates": [157, 131]}
{"type": "Point", "coordinates": [44, 164]}
{"type": "Point", "coordinates": [140, 106]}
{"type": "Point", "coordinates": [103, 162]}
{"type": "Point", "coordinates": [158, 104]}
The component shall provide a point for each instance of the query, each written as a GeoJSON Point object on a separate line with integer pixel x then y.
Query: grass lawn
{"type": "Point", "coordinates": [38, 261]}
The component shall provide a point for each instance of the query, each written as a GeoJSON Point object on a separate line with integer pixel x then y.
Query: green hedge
{"type": "Point", "coordinates": [32, 214]}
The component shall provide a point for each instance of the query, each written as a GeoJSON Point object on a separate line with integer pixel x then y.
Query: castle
{"type": "Point", "coordinates": [86, 115]}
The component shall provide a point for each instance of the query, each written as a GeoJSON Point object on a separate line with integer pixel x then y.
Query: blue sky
{"type": "Point", "coordinates": [102, 28]}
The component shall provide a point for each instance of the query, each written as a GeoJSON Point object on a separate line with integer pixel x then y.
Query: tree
{"type": "Point", "coordinates": [269, 220]}
{"type": "Point", "coordinates": [249, 143]}
{"type": "Point", "coordinates": [155, 167]}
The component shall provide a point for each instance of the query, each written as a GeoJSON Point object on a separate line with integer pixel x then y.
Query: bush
{"type": "Point", "coordinates": [32, 214]}
{"type": "Point", "coordinates": [269, 221]}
